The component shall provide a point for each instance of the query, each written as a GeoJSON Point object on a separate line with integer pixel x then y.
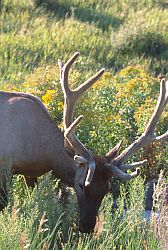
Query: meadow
{"type": "Point", "coordinates": [129, 39]}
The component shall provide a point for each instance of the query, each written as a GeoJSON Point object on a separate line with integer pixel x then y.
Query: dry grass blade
{"type": "Point", "coordinates": [160, 223]}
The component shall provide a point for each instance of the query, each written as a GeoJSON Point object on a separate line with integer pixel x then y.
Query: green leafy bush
{"type": "Point", "coordinates": [121, 107]}
{"type": "Point", "coordinates": [116, 107]}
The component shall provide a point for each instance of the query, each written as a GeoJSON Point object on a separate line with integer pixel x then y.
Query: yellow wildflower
{"type": "Point", "coordinates": [48, 97]}
{"type": "Point", "coordinates": [60, 105]}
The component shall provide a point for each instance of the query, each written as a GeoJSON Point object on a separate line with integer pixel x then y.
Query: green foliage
{"type": "Point", "coordinates": [105, 33]}
{"type": "Point", "coordinates": [120, 107]}
{"type": "Point", "coordinates": [39, 220]}
{"type": "Point", "coordinates": [34, 218]}
{"type": "Point", "coordinates": [130, 39]}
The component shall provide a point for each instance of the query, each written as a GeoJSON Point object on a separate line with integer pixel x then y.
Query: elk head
{"type": "Point", "coordinates": [93, 173]}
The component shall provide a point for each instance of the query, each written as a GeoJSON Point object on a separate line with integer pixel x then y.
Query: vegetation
{"type": "Point", "coordinates": [129, 39]}
{"type": "Point", "coordinates": [38, 220]}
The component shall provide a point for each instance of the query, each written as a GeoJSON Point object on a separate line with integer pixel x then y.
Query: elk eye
{"type": "Point", "coordinates": [81, 186]}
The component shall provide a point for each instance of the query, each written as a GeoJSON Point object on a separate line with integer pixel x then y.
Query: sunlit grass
{"type": "Point", "coordinates": [33, 36]}
{"type": "Point", "coordinates": [38, 220]}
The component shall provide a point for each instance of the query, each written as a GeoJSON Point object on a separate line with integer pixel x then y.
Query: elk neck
{"type": "Point", "coordinates": [63, 166]}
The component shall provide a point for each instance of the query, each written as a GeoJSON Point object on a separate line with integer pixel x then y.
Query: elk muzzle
{"type": "Point", "coordinates": [87, 225]}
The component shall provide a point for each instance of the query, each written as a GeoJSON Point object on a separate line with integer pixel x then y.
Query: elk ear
{"type": "Point", "coordinates": [114, 151]}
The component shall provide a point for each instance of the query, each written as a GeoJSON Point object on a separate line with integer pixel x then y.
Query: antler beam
{"type": "Point", "coordinates": [70, 98]}
{"type": "Point", "coordinates": [146, 138]}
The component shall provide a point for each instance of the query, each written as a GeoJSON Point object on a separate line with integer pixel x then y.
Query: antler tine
{"type": "Point", "coordinates": [114, 151]}
{"type": "Point", "coordinates": [162, 137]}
{"type": "Point", "coordinates": [71, 128]}
{"type": "Point", "coordinates": [119, 170]}
{"type": "Point", "coordinates": [158, 110]}
{"type": "Point", "coordinates": [124, 176]}
{"type": "Point", "coordinates": [124, 167]}
{"type": "Point", "coordinates": [70, 98]}
{"type": "Point", "coordinates": [75, 143]}
{"type": "Point", "coordinates": [64, 72]}
{"type": "Point", "coordinates": [87, 84]}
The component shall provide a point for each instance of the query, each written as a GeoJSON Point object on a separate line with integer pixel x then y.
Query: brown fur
{"type": "Point", "coordinates": [32, 145]}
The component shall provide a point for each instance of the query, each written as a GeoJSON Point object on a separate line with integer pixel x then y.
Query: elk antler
{"type": "Point", "coordinates": [70, 98]}
{"type": "Point", "coordinates": [118, 164]}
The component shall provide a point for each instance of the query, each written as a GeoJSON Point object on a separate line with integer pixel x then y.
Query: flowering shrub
{"type": "Point", "coordinates": [44, 82]}
{"type": "Point", "coordinates": [121, 107]}
{"type": "Point", "coordinates": [115, 107]}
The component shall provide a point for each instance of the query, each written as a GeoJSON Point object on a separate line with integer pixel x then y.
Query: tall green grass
{"type": "Point", "coordinates": [112, 34]}
{"type": "Point", "coordinates": [37, 219]}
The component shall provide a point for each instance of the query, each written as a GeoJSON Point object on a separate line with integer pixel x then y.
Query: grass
{"type": "Point", "coordinates": [38, 220]}
{"type": "Point", "coordinates": [106, 34]}
{"type": "Point", "coordinates": [110, 34]}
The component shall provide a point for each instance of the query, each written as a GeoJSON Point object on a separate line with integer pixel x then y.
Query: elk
{"type": "Point", "coordinates": [32, 145]}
